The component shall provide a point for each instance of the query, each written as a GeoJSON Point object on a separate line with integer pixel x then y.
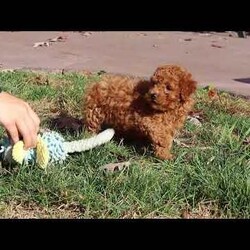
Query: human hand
{"type": "Point", "coordinates": [19, 120]}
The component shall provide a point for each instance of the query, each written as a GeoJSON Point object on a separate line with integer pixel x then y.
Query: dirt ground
{"type": "Point", "coordinates": [213, 58]}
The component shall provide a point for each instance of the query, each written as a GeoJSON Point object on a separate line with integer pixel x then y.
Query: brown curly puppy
{"type": "Point", "coordinates": [151, 110]}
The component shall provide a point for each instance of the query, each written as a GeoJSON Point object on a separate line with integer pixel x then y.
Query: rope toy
{"type": "Point", "coordinates": [51, 148]}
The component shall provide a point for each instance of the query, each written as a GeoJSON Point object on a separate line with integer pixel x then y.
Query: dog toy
{"type": "Point", "coordinates": [51, 148]}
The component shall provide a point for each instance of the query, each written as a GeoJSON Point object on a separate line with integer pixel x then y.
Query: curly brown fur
{"type": "Point", "coordinates": [151, 110]}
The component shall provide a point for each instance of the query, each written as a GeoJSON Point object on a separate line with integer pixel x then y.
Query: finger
{"type": "Point", "coordinates": [34, 120]}
{"type": "Point", "coordinates": [12, 132]}
{"type": "Point", "coordinates": [34, 117]}
{"type": "Point", "coordinates": [27, 131]}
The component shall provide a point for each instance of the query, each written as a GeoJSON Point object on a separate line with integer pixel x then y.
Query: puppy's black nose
{"type": "Point", "coordinates": [153, 96]}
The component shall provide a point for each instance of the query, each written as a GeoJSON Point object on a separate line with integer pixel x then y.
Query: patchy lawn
{"type": "Point", "coordinates": [209, 178]}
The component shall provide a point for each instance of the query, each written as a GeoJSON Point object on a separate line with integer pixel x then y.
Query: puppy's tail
{"type": "Point", "coordinates": [87, 144]}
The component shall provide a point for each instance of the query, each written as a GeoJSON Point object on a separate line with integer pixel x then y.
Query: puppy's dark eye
{"type": "Point", "coordinates": [168, 88]}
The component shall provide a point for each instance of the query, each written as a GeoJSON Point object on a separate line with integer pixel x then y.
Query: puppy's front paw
{"type": "Point", "coordinates": [163, 154]}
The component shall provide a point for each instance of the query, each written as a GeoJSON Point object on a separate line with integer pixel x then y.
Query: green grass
{"type": "Point", "coordinates": [209, 178]}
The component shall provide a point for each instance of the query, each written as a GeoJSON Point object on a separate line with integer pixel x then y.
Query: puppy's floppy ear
{"type": "Point", "coordinates": [187, 87]}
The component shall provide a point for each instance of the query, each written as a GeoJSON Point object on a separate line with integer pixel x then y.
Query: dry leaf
{"type": "Point", "coordinates": [213, 94]}
{"type": "Point", "coordinates": [101, 72]}
{"type": "Point", "coordinates": [86, 34]}
{"type": "Point", "coordinates": [58, 39]}
{"type": "Point", "coordinates": [198, 114]}
{"type": "Point", "coordinates": [195, 121]}
{"type": "Point", "coordinates": [182, 144]}
{"type": "Point", "coordinates": [41, 44]}
{"type": "Point", "coordinates": [142, 34]}
{"type": "Point", "coordinates": [112, 167]}
{"type": "Point", "coordinates": [185, 40]}
{"type": "Point", "coordinates": [216, 46]}
{"type": "Point", "coordinates": [48, 42]}
{"type": "Point", "coordinates": [247, 141]}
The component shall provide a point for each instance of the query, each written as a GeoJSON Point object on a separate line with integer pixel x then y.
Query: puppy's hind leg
{"type": "Point", "coordinates": [93, 119]}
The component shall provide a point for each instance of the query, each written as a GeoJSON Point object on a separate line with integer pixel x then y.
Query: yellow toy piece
{"type": "Point", "coordinates": [42, 157]}
{"type": "Point", "coordinates": [18, 152]}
